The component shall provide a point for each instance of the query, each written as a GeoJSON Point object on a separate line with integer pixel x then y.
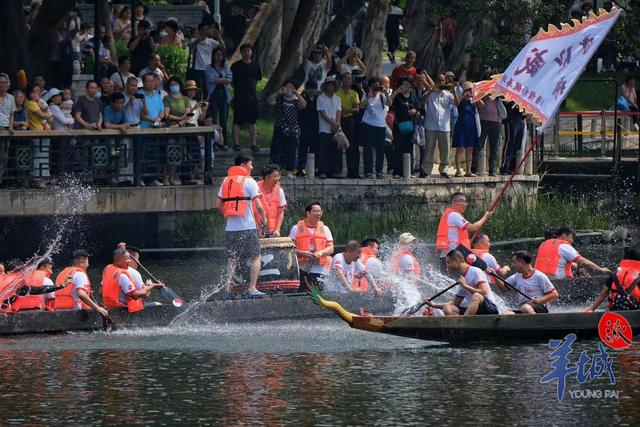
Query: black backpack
{"type": "Point", "coordinates": [623, 300]}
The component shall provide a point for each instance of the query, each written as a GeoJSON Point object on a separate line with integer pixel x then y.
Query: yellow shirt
{"type": "Point", "coordinates": [349, 99]}
{"type": "Point", "coordinates": [35, 122]}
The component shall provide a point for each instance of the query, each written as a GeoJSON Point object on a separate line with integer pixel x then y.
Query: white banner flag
{"type": "Point", "coordinates": [545, 70]}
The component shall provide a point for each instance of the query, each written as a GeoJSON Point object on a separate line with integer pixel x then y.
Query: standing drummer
{"type": "Point", "coordinates": [236, 198]}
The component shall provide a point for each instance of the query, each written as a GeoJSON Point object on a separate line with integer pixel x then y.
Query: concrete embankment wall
{"type": "Point", "coordinates": [146, 216]}
{"type": "Point", "coordinates": [433, 193]}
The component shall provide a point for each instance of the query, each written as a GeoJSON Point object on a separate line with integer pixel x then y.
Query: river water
{"type": "Point", "coordinates": [316, 372]}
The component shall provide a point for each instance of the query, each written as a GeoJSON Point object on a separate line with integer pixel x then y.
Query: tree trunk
{"type": "Point", "coordinates": [254, 30]}
{"type": "Point", "coordinates": [42, 33]}
{"type": "Point", "coordinates": [308, 12]}
{"type": "Point", "coordinates": [332, 35]}
{"type": "Point", "coordinates": [373, 39]}
{"type": "Point", "coordinates": [109, 40]}
{"type": "Point", "coordinates": [289, 8]}
{"type": "Point", "coordinates": [269, 48]}
{"type": "Point", "coordinates": [424, 39]}
{"type": "Point", "coordinates": [13, 39]}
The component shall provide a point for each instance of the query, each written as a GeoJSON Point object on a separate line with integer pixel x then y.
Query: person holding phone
{"type": "Point", "coordinates": [466, 133]}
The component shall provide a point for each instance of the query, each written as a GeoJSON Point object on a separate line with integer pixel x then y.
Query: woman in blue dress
{"type": "Point", "coordinates": [466, 132]}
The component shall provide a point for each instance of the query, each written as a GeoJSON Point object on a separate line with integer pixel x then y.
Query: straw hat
{"type": "Point", "coordinates": [190, 85]}
{"type": "Point", "coordinates": [406, 238]}
{"type": "Point", "coordinates": [467, 86]}
{"type": "Point", "coordinates": [330, 79]}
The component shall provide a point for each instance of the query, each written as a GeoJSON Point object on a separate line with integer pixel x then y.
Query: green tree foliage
{"type": "Point", "coordinates": [174, 59]}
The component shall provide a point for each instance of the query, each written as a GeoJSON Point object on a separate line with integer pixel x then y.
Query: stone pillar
{"type": "Point", "coordinates": [311, 165]}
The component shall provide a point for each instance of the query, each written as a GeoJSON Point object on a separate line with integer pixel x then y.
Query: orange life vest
{"type": "Point", "coordinates": [549, 257]}
{"type": "Point", "coordinates": [31, 302]}
{"type": "Point", "coordinates": [271, 205]}
{"type": "Point", "coordinates": [303, 241]}
{"type": "Point", "coordinates": [360, 281]}
{"type": "Point", "coordinates": [111, 289]}
{"type": "Point", "coordinates": [397, 256]}
{"type": "Point", "coordinates": [64, 300]}
{"type": "Point", "coordinates": [233, 198]}
{"type": "Point", "coordinates": [627, 273]}
{"type": "Point", "coordinates": [442, 237]}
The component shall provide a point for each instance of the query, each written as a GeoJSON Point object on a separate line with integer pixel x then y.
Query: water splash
{"type": "Point", "coordinates": [205, 293]}
{"type": "Point", "coordinates": [70, 198]}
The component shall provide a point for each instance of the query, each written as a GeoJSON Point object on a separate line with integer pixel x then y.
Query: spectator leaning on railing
{"type": "Point", "coordinates": [87, 111]}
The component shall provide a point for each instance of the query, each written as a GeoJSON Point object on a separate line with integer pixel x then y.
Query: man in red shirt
{"type": "Point", "coordinates": [404, 70]}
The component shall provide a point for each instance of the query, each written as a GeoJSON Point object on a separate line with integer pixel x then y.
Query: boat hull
{"type": "Point", "coordinates": [281, 307]}
{"type": "Point", "coordinates": [491, 328]}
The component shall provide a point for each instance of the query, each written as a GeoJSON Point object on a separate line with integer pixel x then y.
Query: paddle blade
{"type": "Point", "coordinates": [471, 258]}
{"type": "Point", "coordinates": [170, 295]}
{"type": "Point", "coordinates": [108, 325]}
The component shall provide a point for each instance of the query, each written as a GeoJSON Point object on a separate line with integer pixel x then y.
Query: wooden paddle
{"type": "Point", "coordinates": [475, 262]}
{"type": "Point", "coordinates": [165, 291]}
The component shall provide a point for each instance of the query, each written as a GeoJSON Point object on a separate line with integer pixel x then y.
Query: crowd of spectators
{"type": "Point", "coordinates": [335, 109]}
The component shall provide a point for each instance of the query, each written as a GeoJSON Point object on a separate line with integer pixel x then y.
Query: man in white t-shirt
{"type": "Point", "coordinates": [473, 296]}
{"type": "Point", "coordinates": [120, 77]}
{"type": "Point", "coordinates": [200, 53]}
{"type": "Point", "coordinates": [481, 246]}
{"type": "Point", "coordinates": [454, 229]}
{"type": "Point", "coordinates": [369, 256]}
{"type": "Point", "coordinates": [532, 283]}
{"type": "Point", "coordinates": [439, 101]}
{"type": "Point", "coordinates": [346, 269]}
{"type": "Point", "coordinates": [314, 245]}
{"type": "Point", "coordinates": [556, 256]}
{"type": "Point", "coordinates": [80, 291]}
{"type": "Point", "coordinates": [133, 267]}
{"type": "Point", "coordinates": [329, 106]}
{"type": "Point", "coordinates": [236, 197]}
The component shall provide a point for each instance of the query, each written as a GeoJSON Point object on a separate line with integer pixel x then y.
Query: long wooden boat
{"type": "Point", "coordinates": [292, 307]}
{"type": "Point", "coordinates": [478, 329]}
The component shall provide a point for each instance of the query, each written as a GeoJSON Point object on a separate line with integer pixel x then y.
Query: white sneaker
{"type": "Point", "coordinates": [156, 183]}
{"type": "Point", "coordinates": [141, 183]}
{"type": "Point", "coordinates": [635, 125]}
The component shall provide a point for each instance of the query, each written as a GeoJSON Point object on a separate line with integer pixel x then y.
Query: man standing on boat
{"type": "Point", "coordinates": [474, 295]}
{"type": "Point", "coordinates": [273, 200]}
{"type": "Point", "coordinates": [555, 256]}
{"type": "Point", "coordinates": [77, 296]}
{"type": "Point", "coordinates": [481, 246]}
{"type": "Point", "coordinates": [533, 283]}
{"type": "Point", "coordinates": [453, 228]}
{"type": "Point", "coordinates": [403, 261]}
{"type": "Point", "coordinates": [623, 290]}
{"type": "Point", "coordinates": [314, 245]}
{"type": "Point", "coordinates": [236, 198]}
{"type": "Point", "coordinates": [118, 285]}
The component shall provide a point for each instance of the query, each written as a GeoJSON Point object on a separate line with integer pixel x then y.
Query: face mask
{"type": "Point", "coordinates": [163, 33]}
{"type": "Point", "coordinates": [288, 94]}
{"type": "Point", "coordinates": [174, 89]}
{"type": "Point", "coordinates": [98, 95]}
